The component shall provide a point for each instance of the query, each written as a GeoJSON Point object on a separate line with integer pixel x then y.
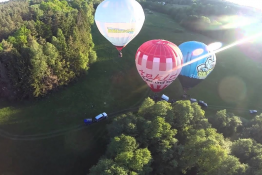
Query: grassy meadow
{"type": "Point", "coordinates": [47, 136]}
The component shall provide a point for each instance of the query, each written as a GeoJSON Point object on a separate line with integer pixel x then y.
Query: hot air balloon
{"type": "Point", "coordinates": [193, 73]}
{"type": "Point", "coordinates": [158, 62]}
{"type": "Point", "coordinates": [119, 21]}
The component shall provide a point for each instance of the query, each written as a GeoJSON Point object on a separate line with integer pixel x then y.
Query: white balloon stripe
{"type": "Point", "coordinates": [154, 70]}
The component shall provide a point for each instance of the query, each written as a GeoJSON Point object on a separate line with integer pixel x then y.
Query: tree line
{"type": "Point", "coordinates": [44, 45]}
{"type": "Point", "coordinates": [206, 16]}
{"type": "Point", "coordinates": [163, 138]}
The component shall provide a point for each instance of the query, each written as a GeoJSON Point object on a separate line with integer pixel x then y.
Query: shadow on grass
{"type": "Point", "coordinates": [112, 80]}
{"type": "Point", "coordinates": [107, 89]}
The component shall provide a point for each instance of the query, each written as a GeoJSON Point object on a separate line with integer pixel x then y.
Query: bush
{"type": "Point", "coordinates": [205, 20]}
{"type": "Point", "coordinates": [92, 57]}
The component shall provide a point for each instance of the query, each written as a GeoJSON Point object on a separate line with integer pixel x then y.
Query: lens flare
{"type": "Point", "coordinates": [244, 40]}
{"type": "Point", "coordinates": [232, 89]}
{"type": "Point", "coordinates": [215, 46]}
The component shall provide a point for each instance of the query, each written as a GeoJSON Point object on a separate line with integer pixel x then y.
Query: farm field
{"type": "Point", "coordinates": [47, 136]}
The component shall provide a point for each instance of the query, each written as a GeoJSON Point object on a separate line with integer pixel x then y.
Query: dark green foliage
{"type": "Point", "coordinates": [18, 68]}
{"type": "Point", "coordinates": [253, 129]}
{"type": "Point", "coordinates": [205, 150]}
{"type": "Point", "coordinates": [48, 43]}
{"type": "Point", "coordinates": [249, 152]}
{"type": "Point", "coordinates": [121, 144]}
{"type": "Point", "coordinates": [231, 166]}
{"type": "Point", "coordinates": [180, 140]}
{"type": "Point", "coordinates": [244, 149]}
{"type": "Point", "coordinates": [124, 157]}
{"type": "Point", "coordinates": [226, 124]}
{"type": "Point", "coordinates": [12, 16]}
{"type": "Point", "coordinates": [126, 124]}
{"type": "Point", "coordinates": [106, 167]}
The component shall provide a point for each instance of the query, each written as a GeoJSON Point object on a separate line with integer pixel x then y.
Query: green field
{"type": "Point", "coordinates": [47, 136]}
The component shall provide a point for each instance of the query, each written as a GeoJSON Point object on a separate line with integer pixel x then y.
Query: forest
{"type": "Point", "coordinates": [48, 44]}
{"type": "Point", "coordinates": [164, 138]}
{"type": "Point", "coordinates": [206, 16]}
{"type": "Point", "coordinates": [44, 45]}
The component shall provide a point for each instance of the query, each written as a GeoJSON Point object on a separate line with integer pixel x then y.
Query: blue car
{"type": "Point", "coordinates": [252, 111]}
{"type": "Point", "coordinates": [202, 103]}
{"type": "Point", "coordinates": [101, 117]}
{"type": "Point", "coordinates": [88, 121]}
{"type": "Point", "coordinates": [193, 100]}
{"type": "Point", "coordinates": [164, 97]}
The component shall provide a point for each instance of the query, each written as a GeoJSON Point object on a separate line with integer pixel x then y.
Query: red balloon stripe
{"type": "Point", "coordinates": [157, 62]}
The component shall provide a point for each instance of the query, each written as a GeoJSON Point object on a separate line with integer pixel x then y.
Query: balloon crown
{"type": "Point", "coordinates": [160, 41]}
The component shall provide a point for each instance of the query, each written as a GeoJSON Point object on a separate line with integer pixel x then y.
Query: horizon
{"type": "Point", "coordinates": [251, 3]}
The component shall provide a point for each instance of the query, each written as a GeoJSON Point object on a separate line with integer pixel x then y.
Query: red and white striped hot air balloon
{"type": "Point", "coordinates": [159, 63]}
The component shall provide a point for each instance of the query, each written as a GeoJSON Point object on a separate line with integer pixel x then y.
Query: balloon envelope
{"type": "Point", "coordinates": [159, 63]}
{"type": "Point", "coordinates": [195, 72]}
{"type": "Point", "coordinates": [119, 21]}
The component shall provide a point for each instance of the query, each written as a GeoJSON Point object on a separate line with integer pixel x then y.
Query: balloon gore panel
{"type": "Point", "coordinates": [200, 63]}
{"type": "Point", "coordinates": [158, 62]}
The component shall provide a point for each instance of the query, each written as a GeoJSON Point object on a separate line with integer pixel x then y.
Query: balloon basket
{"type": "Point", "coordinates": [154, 96]}
{"type": "Point", "coordinates": [185, 95]}
{"type": "Point", "coordinates": [120, 54]}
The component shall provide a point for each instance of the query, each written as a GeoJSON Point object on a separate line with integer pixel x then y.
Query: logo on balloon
{"type": "Point", "coordinates": [204, 69]}
{"type": "Point", "coordinates": [117, 30]}
{"type": "Point", "coordinates": [158, 79]}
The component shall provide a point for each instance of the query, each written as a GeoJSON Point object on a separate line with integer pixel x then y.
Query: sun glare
{"type": "Point", "coordinates": [251, 3]}
{"type": "Point", "coordinates": [215, 46]}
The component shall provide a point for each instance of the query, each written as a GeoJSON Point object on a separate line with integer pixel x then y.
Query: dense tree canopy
{"type": "Point", "coordinates": [177, 139]}
{"type": "Point", "coordinates": [226, 124]}
{"type": "Point", "coordinates": [253, 129]}
{"type": "Point", "coordinates": [124, 157]}
{"type": "Point", "coordinates": [45, 44]}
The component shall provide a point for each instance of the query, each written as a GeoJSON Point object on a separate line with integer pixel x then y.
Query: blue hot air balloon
{"type": "Point", "coordinates": [193, 73]}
